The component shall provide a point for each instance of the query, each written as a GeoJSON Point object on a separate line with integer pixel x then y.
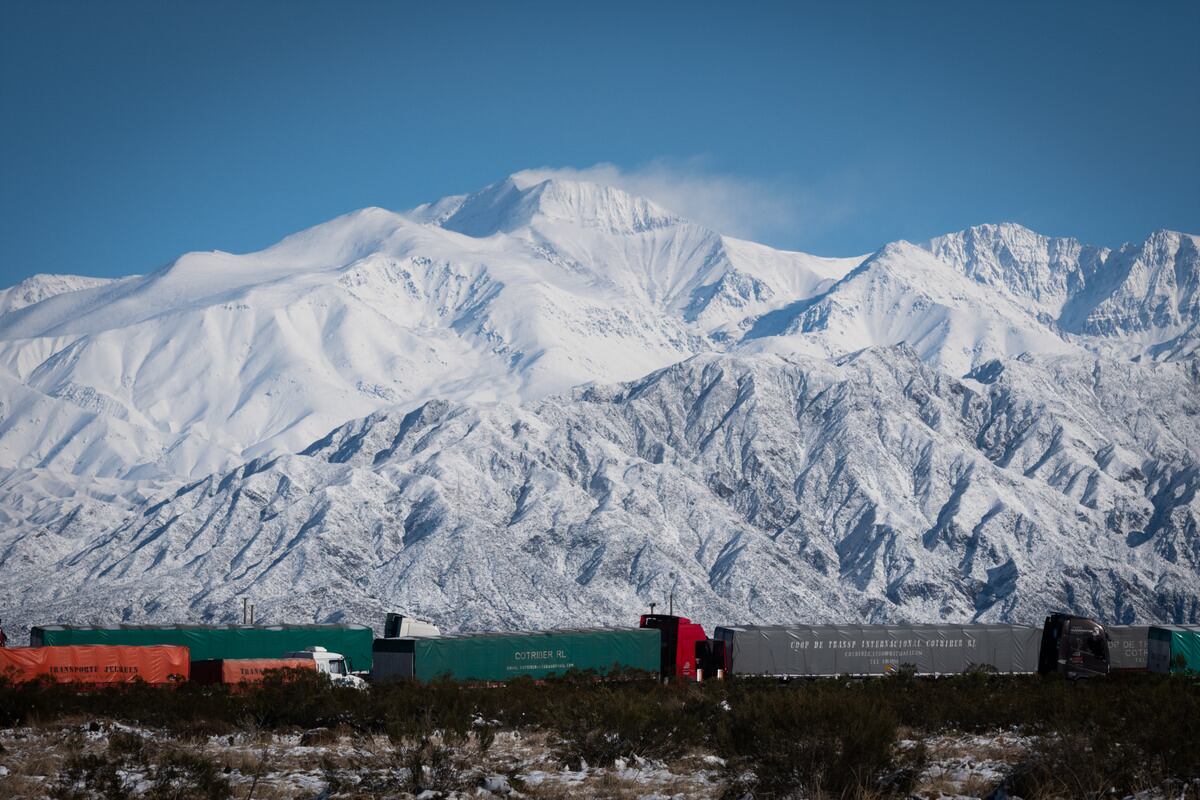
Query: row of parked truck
{"type": "Point", "coordinates": [672, 646]}
{"type": "Point", "coordinates": [678, 648]}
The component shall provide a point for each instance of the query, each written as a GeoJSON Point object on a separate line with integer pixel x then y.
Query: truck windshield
{"type": "Point", "coordinates": [337, 667]}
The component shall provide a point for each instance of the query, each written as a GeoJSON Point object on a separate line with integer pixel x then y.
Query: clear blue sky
{"type": "Point", "coordinates": [132, 132]}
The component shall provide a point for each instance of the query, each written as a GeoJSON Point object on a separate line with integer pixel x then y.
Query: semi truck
{"type": "Point", "coordinates": [334, 665]}
{"type": "Point", "coordinates": [672, 646]}
{"type": "Point", "coordinates": [686, 653]}
{"type": "Point", "coordinates": [1076, 647]}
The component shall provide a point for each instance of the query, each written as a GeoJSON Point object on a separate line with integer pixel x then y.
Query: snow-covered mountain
{"type": "Point", "coordinates": [550, 399]}
{"type": "Point", "coordinates": [1147, 294]}
{"type": "Point", "coordinates": [37, 288]}
{"type": "Point", "coordinates": [219, 358]}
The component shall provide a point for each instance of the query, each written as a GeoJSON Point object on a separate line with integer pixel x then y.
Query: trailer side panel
{"type": "Point", "coordinates": [800, 650]}
{"type": "Point", "coordinates": [101, 664]}
{"type": "Point", "coordinates": [503, 656]}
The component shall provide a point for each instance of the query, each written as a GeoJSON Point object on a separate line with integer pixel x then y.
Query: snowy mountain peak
{"type": "Point", "coordinates": [37, 288]}
{"type": "Point", "coordinates": [1168, 236]}
{"type": "Point", "coordinates": [994, 237]}
{"type": "Point", "coordinates": [1168, 245]}
{"type": "Point", "coordinates": [523, 199]}
{"type": "Point", "coordinates": [338, 241]}
{"type": "Point", "coordinates": [1042, 270]}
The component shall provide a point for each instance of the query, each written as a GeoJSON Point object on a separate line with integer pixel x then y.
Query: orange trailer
{"type": "Point", "coordinates": [101, 664]}
{"type": "Point", "coordinates": [244, 670]}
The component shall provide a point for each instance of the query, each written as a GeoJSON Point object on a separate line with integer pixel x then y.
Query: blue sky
{"type": "Point", "coordinates": [133, 132]}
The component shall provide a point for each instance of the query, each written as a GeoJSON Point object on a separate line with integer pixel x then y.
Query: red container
{"type": "Point", "coordinates": [244, 670]}
{"type": "Point", "coordinates": [98, 664]}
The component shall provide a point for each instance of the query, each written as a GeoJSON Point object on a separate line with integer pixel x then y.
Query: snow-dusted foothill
{"type": "Point", "coordinates": [550, 401]}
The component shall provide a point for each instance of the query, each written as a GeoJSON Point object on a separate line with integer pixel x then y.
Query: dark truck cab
{"type": "Point", "coordinates": [1076, 647]}
{"type": "Point", "coordinates": [687, 652]}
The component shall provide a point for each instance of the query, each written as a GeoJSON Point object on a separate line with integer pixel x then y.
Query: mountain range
{"type": "Point", "coordinates": [550, 402]}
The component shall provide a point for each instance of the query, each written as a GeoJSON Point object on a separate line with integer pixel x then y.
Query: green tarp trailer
{"type": "Point", "coordinates": [502, 656]}
{"type": "Point", "coordinates": [1174, 648]}
{"type": "Point", "coordinates": [220, 641]}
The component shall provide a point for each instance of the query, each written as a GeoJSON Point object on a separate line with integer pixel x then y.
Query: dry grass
{"type": "Point", "coordinates": [347, 764]}
{"type": "Point", "coordinates": [1000, 747]}
{"type": "Point", "coordinates": [841, 738]}
{"type": "Point", "coordinates": [14, 786]}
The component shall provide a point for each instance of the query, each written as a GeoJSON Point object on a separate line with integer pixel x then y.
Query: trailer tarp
{"type": "Point", "coordinates": [1127, 646]}
{"type": "Point", "coordinates": [797, 650]}
{"type": "Point", "coordinates": [244, 670]}
{"type": "Point", "coordinates": [96, 664]}
{"type": "Point", "coordinates": [221, 641]}
{"type": "Point", "coordinates": [1175, 648]}
{"type": "Point", "coordinates": [502, 656]}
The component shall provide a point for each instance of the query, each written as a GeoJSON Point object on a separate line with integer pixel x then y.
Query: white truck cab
{"type": "Point", "coordinates": [331, 664]}
{"type": "Point", "coordinates": [398, 626]}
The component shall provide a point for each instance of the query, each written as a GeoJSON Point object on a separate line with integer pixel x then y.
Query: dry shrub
{"type": "Point", "coordinates": [812, 741]}
{"type": "Point", "coordinates": [824, 736]}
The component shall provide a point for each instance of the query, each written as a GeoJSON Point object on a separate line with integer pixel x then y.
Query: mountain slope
{"type": "Point", "coordinates": [37, 288]}
{"type": "Point", "coordinates": [550, 400]}
{"type": "Point", "coordinates": [1138, 296]}
{"type": "Point", "coordinates": [903, 294]}
{"type": "Point", "coordinates": [228, 357]}
{"type": "Point", "coordinates": [754, 488]}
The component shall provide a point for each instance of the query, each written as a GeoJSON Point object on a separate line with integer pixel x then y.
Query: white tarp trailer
{"type": "Point", "coordinates": [812, 650]}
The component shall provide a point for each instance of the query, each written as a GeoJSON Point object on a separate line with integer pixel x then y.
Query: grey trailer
{"type": "Point", "coordinates": [812, 650]}
{"type": "Point", "coordinates": [392, 659]}
{"type": "Point", "coordinates": [1127, 646]}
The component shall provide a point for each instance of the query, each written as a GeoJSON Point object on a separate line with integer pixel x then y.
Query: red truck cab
{"type": "Point", "coordinates": [685, 647]}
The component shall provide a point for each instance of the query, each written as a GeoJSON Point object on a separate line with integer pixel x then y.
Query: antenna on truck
{"type": "Point", "coordinates": [671, 597]}
{"type": "Point", "coordinates": [652, 605]}
{"type": "Point", "coordinates": [245, 609]}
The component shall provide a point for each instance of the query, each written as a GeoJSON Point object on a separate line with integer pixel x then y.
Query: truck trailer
{"type": "Point", "coordinates": [822, 650]}
{"type": "Point", "coordinates": [220, 641]}
{"type": "Point", "coordinates": [1129, 645]}
{"type": "Point", "coordinates": [1174, 649]}
{"type": "Point", "coordinates": [237, 671]}
{"type": "Point", "coordinates": [97, 664]}
{"type": "Point", "coordinates": [503, 656]}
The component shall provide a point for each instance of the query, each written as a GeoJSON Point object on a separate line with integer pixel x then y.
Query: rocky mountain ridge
{"type": "Point", "coordinates": [551, 400]}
